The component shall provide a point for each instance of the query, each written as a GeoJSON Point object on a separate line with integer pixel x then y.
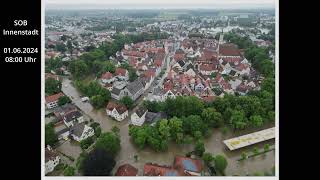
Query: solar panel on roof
{"type": "Point", "coordinates": [189, 165]}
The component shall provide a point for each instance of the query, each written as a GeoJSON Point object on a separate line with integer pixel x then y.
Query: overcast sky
{"type": "Point", "coordinates": [161, 3]}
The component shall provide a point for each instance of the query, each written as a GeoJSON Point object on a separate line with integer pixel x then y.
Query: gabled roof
{"type": "Point", "coordinates": [120, 72]}
{"type": "Point", "coordinates": [119, 107]}
{"type": "Point", "coordinates": [135, 86]}
{"type": "Point", "coordinates": [126, 170]}
{"type": "Point", "coordinates": [106, 75]}
{"type": "Point", "coordinates": [73, 115]}
{"type": "Point", "coordinates": [141, 111]}
{"type": "Point", "coordinates": [50, 155]}
{"type": "Point", "coordinates": [115, 91]}
{"type": "Point", "coordinates": [158, 170]}
{"type": "Point", "coordinates": [54, 97]}
{"type": "Point", "coordinates": [64, 109]}
{"type": "Point", "coordinates": [77, 129]}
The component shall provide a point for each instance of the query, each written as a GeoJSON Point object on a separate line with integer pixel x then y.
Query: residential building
{"type": "Point", "coordinates": [117, 111]}
{"type": "Point", "coordinates": [52, 101]}
{"type": "Point", "coordinates": [52, 159]}
{"type": "Point", "coordinates": [72, 117]}
{"type": "Point", "coordinates": [81, 131]}
{"type": "Point", "coordinates": [138, 117]}
{"type": "Point", "coordinates": [126, 170]}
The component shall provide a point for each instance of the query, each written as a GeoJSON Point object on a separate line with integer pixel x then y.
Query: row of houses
{"type": "Point", "coordinates": [213, 70]}
{"type": "Point", "coordinates": [182, 166]}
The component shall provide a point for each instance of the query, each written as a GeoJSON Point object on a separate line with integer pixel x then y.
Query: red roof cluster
{"type": "Point", "coordinates": [229, 50]}
{"type": "Point", "coordinates": [134, 53]}
{"type": "Point", "coordinates": [54, 97]}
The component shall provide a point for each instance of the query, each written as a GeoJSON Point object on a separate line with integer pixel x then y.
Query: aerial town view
{"type": "Point", "coordinates": [160, 91]}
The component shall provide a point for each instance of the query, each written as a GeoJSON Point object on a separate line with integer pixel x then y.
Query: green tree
{"type": "Point", "coordinates": [63, 100]}
{"type": "Point", "coordinates": [98, 162]}
{"type": "Point", "coordinates": [266, 147]}
{"type": "Point", "coordinates": [109, 142]}
{"type": "Point", "coordinates": [52, 86]}
{"type": "Point", "coordinates": [255, 151]}
{"type": "Point", "coordinates": [164, 129]}
{"type": "Point", "coordinates": [50, 136]}
{"type": "Point", "coordinates": [211, 117]}
{"type": "Point", "coordinates": [70, 46]}
{"type": "Point", "coordinates": [132, 75]}
{"type": "Point", "coordinates": [127, 101]}
{"type": "Point", "coordinates": [207, 158]}
{"type": "Point", "coordinates": [199, 148]}
{"type": "Point", "coordinates": [238, 119]}
{"type": "Point", "coordinates": [256, 120]}
{"type": "Point", "coordinates": [220, 163]}
{"type": "Point", "coordinates": [176, 129]}
{"type": "Point", "coordinates": [98, 101]}
{"type": "Point", "coordinates": [244, 155]}
{"type": "Point", "coordinates": [61, 47]}
{"type": "Point", "coordinates": [85, 144]}
{"type": "Point", "coordinates": [79, 69]}
{"type": "Point", "coordinates": [97, 132]}
{"type": "Point", "coordinates": [69, 171]}
{"type": "Point", "coordinates": [115, 130]}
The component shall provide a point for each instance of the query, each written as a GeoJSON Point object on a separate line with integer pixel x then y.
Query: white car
{"type": "Point", "coordinates": [85, 99]}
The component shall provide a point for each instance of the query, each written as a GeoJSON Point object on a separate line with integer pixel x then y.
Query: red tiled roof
{"type": "Point", "coordinates": [209, 98]}
{"type": "Point", "coordinates": [119, 107]}
{"type": "Point", "coordinates": [111, 105]}
{"type": "Point", "coordinates": [158, 62]}
{"type": "Point", "coordinates": [207, 67]}
{"type": "Point", "coordinates": [241, 67]}
{"type": "Point", "coordinates": [106, 75]}
{"type": "Point", "coordinates": [54, 97]}
{"type": "Point", "coordinates": [134, 53]}
{"type": "Point", "coordinates": [232, 60]}
{"type": "Point", "coordinates": [126, 170]}
{"type": "Point", "coordinates": [120, 71]}
{"type": "Point", "coordinates": [53, 76]}
{"type": "Point", "coordinates": [149, 73]}
{"type": "Point", "coordinates": [132, 62]}
{"type": "Point", "coordinates": [158, 170]}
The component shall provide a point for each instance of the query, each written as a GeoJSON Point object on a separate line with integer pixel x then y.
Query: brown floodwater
{"type": "Point", "coordinates": [213, 144]}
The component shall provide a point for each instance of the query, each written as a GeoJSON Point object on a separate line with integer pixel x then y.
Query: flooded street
{"type": "Point", "coordinates": [213, 144]}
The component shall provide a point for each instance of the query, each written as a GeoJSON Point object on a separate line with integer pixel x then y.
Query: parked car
{"type": "Point", "coordinates": [85, 99]}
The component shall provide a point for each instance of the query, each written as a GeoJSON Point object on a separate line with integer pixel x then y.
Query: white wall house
{"type": "Point", "coordinates": [52, 101]}
{"type": "Point", "coordinates": [119, 116]}
{"type": "Point", "coordinates": [168, 94]}
{"type": "Point", "coordinates": [117, 111]}
{"type": "Point", "coordinates": [138, 117]}
{"type": "Point", "coordinates": [52, 159]}
{"type": "Point", "coordinates": [72, 117]}
{"type": "Point", "coordinates": [81, 131]}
